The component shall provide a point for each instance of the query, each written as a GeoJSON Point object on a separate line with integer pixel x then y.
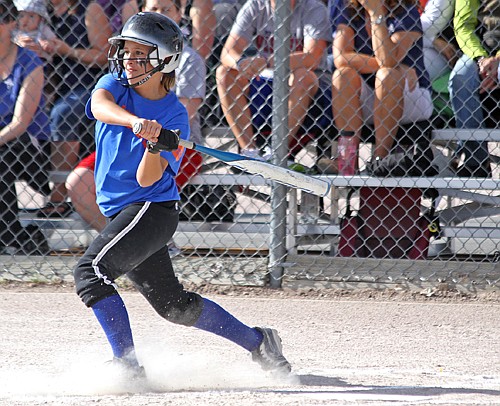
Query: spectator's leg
{"type": "Point", "coordinates": [232, 89]}
{"type": "Point", "coordinates": [68, 128]}
{"type": "Point", "coordinates": [466, 103]}
{"type": "Point", "coordinates": [14, 161]}
{"type": "Point", "coordinates": [64, 157]}
{"type": "Point", "coordinates": [10, 228]}
{"type": "Point", "coordinates": [387, 109]}
{"type": "Point", "coordinates": [346, 107]}
{"type": "Point", "coordinates": [81, 189]}
{"type": "Point", "coordinates": [346, 100]}
{"type": "Point", "coordinates": [303, 86]}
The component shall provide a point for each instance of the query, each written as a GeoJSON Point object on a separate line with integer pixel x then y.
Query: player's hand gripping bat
{"type": "Point", "coordinates": [267, 170]}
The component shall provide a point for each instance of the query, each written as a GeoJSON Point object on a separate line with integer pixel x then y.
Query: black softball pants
{"type": "Point", "coordinates": [134, 244]}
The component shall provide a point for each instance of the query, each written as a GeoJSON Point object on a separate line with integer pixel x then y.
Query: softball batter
{"type": "Point", "coordinates": [135, 186]}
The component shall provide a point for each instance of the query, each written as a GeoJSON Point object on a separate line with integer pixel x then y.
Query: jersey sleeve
{"type": "Point", "coordinates": [316, 23]}
{"type": "Point", "coordinates": [109, 83]}
{"type": "Point", "coordinates": [190, 80]}
{"type": "Point", "coordinates": [244, 24]}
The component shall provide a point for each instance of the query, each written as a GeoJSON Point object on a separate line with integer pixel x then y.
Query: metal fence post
{"type": "Point", "coordinates": [279, 141]}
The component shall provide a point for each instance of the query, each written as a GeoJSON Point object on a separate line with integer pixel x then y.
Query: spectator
{"type": "Point", "coordinates": [79, 54]}
{"type": "Point", "coordinates": [22, 121]}
{"type": "Point", "coordinates": [189, 88]}
{"type": "Point", "coordinates": [118, 11]}
{"type": "Point", "coordinates": [440, 53]}
{"type": "Point", "coordinates": [241, 78]}
{"type": "Point", "coordinates": [199, 24]}
{"type": "Point", "coordinates": [225, 13]}
{"type": "Point", "coordinates": [33, 23]}
{"type": "Point", "coordinates": [380, 77]}
{"type": "Point", "coordinates": [474, 79]}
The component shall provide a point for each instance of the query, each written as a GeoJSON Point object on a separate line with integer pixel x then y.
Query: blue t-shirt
{"type": "Point", "coordinates": [119, 151]}
{"type": "Point", "coordinates": [407, 19]}
{"type": "Point", "coordinates": [26, 62]}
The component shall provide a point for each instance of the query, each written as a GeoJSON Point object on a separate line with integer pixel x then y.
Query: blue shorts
{"type": "Point", "coordinates": [319, 117]}
{"type": "Point", "coordinates": [68, 121]}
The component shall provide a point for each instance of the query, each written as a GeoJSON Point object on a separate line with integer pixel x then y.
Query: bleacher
{"type": "Point", "coordinates": [465, 203]}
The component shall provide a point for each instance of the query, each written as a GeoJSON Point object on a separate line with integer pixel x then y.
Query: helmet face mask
{"type": "Point", "coordinates": [118, 58]}
{"type": "Point", "coordinates": [159, 33]}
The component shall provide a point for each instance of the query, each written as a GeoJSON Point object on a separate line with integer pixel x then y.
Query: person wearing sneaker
{"type": "Point", "coordinates": [139, 122]}
{"type": "Point", "coordinates": [380, 77]}
{"type": "Point", "coordinates": [245, 83]}
{"type": "Point", "coordinates": [475, 80]}
{"type": "Point", "coordinates": [22, 121]}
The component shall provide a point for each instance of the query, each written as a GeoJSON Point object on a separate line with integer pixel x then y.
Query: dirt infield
{"type": "Point", "coordinates": [345, 349]}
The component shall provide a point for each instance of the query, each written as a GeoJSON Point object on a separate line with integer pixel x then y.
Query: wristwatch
{"type": "Point", "coordinates": [379, 20]}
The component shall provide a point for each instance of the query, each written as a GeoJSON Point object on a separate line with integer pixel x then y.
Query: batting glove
{"type": "Point", "coordinates": [168, 140]}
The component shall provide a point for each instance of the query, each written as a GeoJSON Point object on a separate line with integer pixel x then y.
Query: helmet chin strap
{"type": "Point", "coordinates": [145, 79]}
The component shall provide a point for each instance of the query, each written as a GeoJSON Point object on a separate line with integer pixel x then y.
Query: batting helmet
{"type": "Point", "coordinates": [159, 32]}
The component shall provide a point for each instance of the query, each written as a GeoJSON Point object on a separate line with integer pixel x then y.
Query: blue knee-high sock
{"type": "Point", "coordinates": [113, 317]}
{"type": "Point", "coordinates": [216, 320]}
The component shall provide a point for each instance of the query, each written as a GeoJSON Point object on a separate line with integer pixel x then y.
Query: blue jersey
{"type": "Point", "coordinates": [119, 151]}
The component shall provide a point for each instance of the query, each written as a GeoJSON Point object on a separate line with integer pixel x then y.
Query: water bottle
{"type": "Point", "coordinates": [309, 207]}
{"type": "Point", "coordinates": [348, 153]}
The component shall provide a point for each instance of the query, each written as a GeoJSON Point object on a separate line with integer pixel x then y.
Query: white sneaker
{"type": "Point", "coordinates": [268, 154]}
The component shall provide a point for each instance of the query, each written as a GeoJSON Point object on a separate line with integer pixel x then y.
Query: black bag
{"type": "Point", "coordinates": [388, 224]}
{"type": "Point", "coordinates": [416, 161]}
{"type": "Point", "coordinates": [207, 203]}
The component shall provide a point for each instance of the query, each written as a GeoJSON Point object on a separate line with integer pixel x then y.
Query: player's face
{"type": "Point", "coordinates": [136, 61]}
{"type": "Point", "coordinates": [165, 7]}
{"type": "Point", "coordinates": [28, 21]}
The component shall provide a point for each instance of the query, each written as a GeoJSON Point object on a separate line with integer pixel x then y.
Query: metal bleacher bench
{"type": "Point", "coordinates": [478, 192]}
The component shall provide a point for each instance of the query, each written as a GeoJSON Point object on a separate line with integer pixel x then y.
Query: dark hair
{"type": "Point", "coordinates": [177, 4]}
{"type": "Point", "coordinates": [8, 11]}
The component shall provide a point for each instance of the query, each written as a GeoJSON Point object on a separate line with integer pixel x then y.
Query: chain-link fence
{"type": "Point", "coordinates": [403, 125]}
